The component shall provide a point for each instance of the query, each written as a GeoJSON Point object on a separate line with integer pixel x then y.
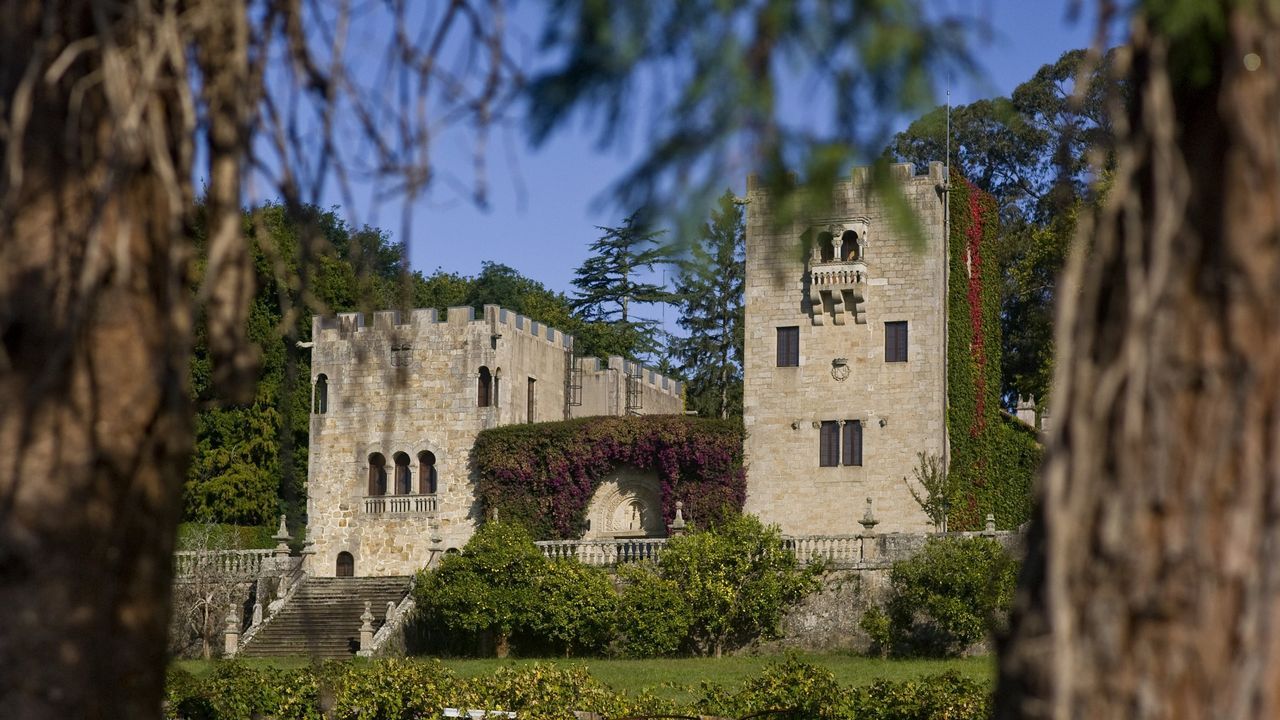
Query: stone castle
{"type": "Point", "coordinates": [844, 385]}
{"type": "Point", "coordinates": [396, 408]}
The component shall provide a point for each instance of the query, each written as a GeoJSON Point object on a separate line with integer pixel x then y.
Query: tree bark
{"type": "Point", "coordinates": [1152, 583]}
{"type": "Point", "coordinates": [95, 328]}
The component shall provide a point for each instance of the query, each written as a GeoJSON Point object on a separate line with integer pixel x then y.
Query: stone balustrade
{"type": "Point", "coordinates": [834, 549]}
{"type": "Point", "coordinates": [838, 276]}
{"type": "Point", "coordinates": [604, 552]}
{"type": "Point", "coordinates": [225, 563]}
{"type": "Point", "coordinates": [399, 504]}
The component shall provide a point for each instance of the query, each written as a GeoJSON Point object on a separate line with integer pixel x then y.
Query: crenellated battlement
{"type": "Point", "coordinates": [427, 321]}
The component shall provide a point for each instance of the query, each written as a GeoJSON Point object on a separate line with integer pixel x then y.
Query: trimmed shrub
{"type": "Point", "coordinates": [946, 598]}
{"type": "Point", "coordinates": [577, 608]}
{"type": "Point", "coordinates": [800, 690]}
{"type": "Point", "coordinates": [948, 696]}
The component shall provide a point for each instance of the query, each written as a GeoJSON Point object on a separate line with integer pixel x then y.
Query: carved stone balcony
{"type": "Point", "coordinates": [399, 504]}
{"type": "Point", "coordinates": [844, 283]}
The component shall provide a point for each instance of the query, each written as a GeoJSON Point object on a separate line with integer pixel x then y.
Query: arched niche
{"type": "Point", "coordinates": [627, 504]}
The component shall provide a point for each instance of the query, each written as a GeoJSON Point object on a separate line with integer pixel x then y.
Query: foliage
{"type": "Point", "coordinates": [710, 287]}
{"type": "Point", "coordinates": [981, 445]}
{"type": "Point", "coordinates": [607, 284]}
{"type": "Point", "coordinates": [948, 696]}
{"type": "Point", "coordinates": [577, 608]}
{"type": "Point", "coordinates": [657, 616]}
{"type": "Point", "coordinates": [544, 474]}
{"type": "Point", "coordinates": [933, 490]}
{"type": "Point", "coordinates": [737, 579]}
{"type": "Point", "coordinates": [489, 590]}
{"type": "Point", "coordinates": [399, 689]}
{"type": "Point", "coordinates": [206, 592]}
{"type": "Point", "coordinates": [946, 598]}
{"type": "Point", "coordinates": [725, 68]}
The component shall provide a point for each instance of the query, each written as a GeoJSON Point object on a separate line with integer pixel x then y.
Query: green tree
{"type": "Point", "coordinates": [709, 291]}
{"type": "Point", "coordinates": [1031, 151]}
{"type": "Point", "coordinates": [609, 285]}
{"type": "Point", "coordinates": [489, 590]}
{"type": "Point", "coordinates": [737, 579]}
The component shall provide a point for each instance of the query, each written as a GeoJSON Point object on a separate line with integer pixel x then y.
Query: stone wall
{"type": "Point", "coordinates": [407, 386]}
{"type": "Point", "coordinates": [842, 374]}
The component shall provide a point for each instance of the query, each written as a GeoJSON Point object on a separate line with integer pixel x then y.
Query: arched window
{"type": "Point", "coordinates": [484, 387]}
{"type": "Point", "coordinates": [426, 473]}
{"type": "Point", "coordinates": [377, 474]}
{"type": "Point", "coordinates": [826, 253]}
{"type": "Point", "coordinates": [346, 565]}
{"type": "Point", "coordinates": [404, 484]}
{"type": "Point", "coordinates": [320, 399]}
{"type": "Point", "coordinates": [849, 249]}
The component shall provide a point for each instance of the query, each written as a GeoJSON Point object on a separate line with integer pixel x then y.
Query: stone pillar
{"type": "Point", "coordinates": [868, 540]}
{"type": "Point", "coordinates": [678, 525]}
{"type": "Point", "coordinates": [282, 539]}
{"type": "Point", "coordinates": [391, 608]}
{"type": "Point", "coordinates": [990, 529]}
{"type": "Point", "coordinates": [232, 635]}
{"type": "Point", "coordinates": [257, 613]}
{"type": "Point", "coordinates": [1026, 410]}
{"type": "Point", "coordinates": [366, 628]}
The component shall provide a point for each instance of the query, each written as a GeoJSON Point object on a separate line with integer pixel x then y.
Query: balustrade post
{"type": "Point", "coordinates": [870, 546]}
{"type": "Point", "coordinates": [231, 637]}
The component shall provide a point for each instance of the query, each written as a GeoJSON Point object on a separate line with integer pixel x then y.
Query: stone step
{"type": "Point", "coordinates": [322, 619]}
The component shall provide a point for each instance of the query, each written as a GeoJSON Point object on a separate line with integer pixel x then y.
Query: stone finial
{"type": "Point", "coordinates": [1026, 409]}
{"type": "Point", "coordinates": [282, 539]}
{"type": "Point", "coordinates": [232, 634]}
{"type": "Point", "coordinates": [391, 608]}
{"type": "Point", "coordinates": [869, 521]}
{"type": "Point", "coordinates": [678, 524]}
{"type": "Point", "coordinates": [366, 627]}
{"type": "Point", "coordinates": [990, 528]}
{"type": "Point", "coordinates": [257, 613]}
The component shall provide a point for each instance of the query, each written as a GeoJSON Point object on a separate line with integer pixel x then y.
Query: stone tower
{"type": "Point", "coordinates": [845, 367]}
{"type": "Point", "coordinates": [397, 404]}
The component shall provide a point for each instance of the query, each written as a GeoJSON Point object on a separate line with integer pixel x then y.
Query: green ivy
{"type": "Point", "coordinates": [992, 459]}
{"type": "Point", "coordinates": [543, 475]}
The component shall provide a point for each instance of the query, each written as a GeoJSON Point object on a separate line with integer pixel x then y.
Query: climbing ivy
{"type": "Point", "coordinates": [544, 474]}
{"type": "Point", "coordinates": [992, 458]}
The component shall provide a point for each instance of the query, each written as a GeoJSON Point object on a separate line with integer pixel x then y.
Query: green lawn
{"type": "Point", "coordinates": [679, 678]}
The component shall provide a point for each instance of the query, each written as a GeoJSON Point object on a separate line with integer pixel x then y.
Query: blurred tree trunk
{"type": "Point", "coordinates": [1152, 583]}
{"type": "Point", "coordinates": [96, 149]}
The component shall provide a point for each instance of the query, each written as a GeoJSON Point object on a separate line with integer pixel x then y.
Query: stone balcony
{"type": "Point", "coordinates": [399, 504]}
{"type": "Point", "coordinates": [844, 284]}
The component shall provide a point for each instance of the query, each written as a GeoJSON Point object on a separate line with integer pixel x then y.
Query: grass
{"type": "Point", "coordinates": [678, 678]}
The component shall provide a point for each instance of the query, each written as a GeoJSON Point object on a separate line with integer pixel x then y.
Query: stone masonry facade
{"type": "Point", "coordinates": [844, 357]}
{"type": "Point", "coordinates": [397, 405]}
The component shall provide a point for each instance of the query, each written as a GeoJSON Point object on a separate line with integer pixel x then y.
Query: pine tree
{"type": "Point", "coordinates": [608, 287]}
{"type": "Point", "coordinates": [709, 291]}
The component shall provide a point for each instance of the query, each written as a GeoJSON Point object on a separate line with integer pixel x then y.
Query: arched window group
{"type": "Point", "coordinates": [401, 479]}
{"type": "Point", "coordinates": [849, 250]}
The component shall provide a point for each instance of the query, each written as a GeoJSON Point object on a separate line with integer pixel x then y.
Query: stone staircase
{"type": "Point", "coordinates": [322, 619]}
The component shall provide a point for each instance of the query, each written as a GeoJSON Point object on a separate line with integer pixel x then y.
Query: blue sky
{"type": "Point", "coordinates": [545, 204]}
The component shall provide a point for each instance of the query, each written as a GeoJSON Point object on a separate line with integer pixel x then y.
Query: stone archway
{"type": "Point", "coordinates": [628, 504]}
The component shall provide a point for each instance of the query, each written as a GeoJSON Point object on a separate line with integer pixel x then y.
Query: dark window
{"type": "Point", "coordinates": [895, 341]}
{"type": "Point", "coordinates": [852, 442]}
{"type": "Point", "coordinates": [320, 401]}
{"type": "Point", "coordinates": [377, 474]}
{"type": "Point", "coordinates": [849, 246]}
{"type": "Point", "coordinates": [427, 473]}
{"type": "Point", "coordinates": [404, 484]}
{"type": "Point", "coordinates": [484, 387]}
{"type": "Point", "coordinates": [346, 565]}
{"type": "Point", "coordinates": [531, 401]}
{"type": "Point", "coordinates": [826, 251]}
{"type": "Point", "coordinates": [789, 346]}
{"type": "Point", "coordinates": [829, 444]}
